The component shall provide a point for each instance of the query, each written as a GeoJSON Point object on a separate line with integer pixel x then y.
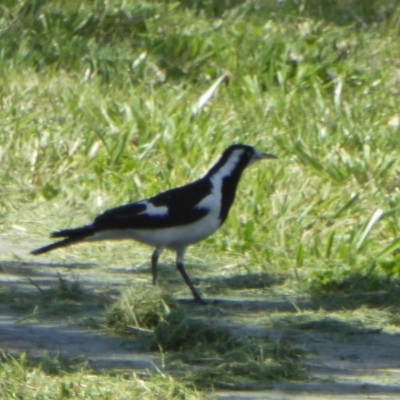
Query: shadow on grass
{"type": "Point", "coordinates": [245, 281]}
{"type": "Point", "coordinates": [198, 332]}
{"type": "Point", "coordinates": [319, 323]}
{"type": "Point", "coordinates": [72, 345]}
{"type": "Point", "coordinates": [355, 291]}
{"type": "Point", "coordinates": [31, 268]}
{"type": "Point", "coordinates": [40, 291]}
{"type": "Point", "coordinates": [57, 317]}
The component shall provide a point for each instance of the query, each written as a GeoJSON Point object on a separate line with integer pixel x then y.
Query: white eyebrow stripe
{"type": "Point", "coordinates": [214, 199]}
{"type": "Point", "coordinates": [152, 210]}
{"type": "Point", "coordinates": [227, 168]}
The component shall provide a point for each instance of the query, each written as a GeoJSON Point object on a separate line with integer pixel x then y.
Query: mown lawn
{"type": "Point", "coordinates": [105, 102]}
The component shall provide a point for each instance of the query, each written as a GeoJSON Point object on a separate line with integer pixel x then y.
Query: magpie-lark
{"type": "Point", "coordinates": [173, 219]}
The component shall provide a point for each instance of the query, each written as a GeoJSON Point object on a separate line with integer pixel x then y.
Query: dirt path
{"type": "Point", "coordinates": [343, 361]}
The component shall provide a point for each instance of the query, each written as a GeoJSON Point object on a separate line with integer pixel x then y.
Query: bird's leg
{"type": "Point", "coordinates": [154, 260]}
{"type": "Point", "coordinates": [181, 269]}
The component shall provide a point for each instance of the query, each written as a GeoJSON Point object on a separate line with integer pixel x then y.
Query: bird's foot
{"type": "Point", "coordinates": [200, 301]}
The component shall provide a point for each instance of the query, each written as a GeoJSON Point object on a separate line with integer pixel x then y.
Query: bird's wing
{"type": "Point", "coordinates": [174, 207]}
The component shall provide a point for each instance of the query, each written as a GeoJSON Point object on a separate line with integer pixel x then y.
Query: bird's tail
{"type": "Point", "coordinates": [71, 236]}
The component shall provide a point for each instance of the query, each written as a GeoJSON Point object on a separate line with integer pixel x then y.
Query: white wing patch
{"type": "Point", "coordinates": [152, 210]}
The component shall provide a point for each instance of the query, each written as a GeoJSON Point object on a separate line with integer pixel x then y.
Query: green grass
{"type": "Point", "coordinates": [73, 130]}
{"type": "Point", "coordinates": [51, 379]}
{"type": "Point", "coordinates": [198, 351]}
{"type": "Point", "coordinates": [100, 105]}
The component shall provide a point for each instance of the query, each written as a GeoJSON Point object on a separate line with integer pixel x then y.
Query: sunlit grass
{"type": "Point", "coordinates": [50, 378]}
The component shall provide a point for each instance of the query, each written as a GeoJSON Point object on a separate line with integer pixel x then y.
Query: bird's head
{"type": "Point", "coordinates": [245, 155]}
{"type": "Point", "coordinates": [236, 158]}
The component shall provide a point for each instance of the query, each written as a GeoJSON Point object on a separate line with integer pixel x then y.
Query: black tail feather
{"type": "Point", "coordinates": [71, 236]}
{"type": "Point", "coordinates": [81, 232]}
{"type": "Point", "coordinates": [52, 246]}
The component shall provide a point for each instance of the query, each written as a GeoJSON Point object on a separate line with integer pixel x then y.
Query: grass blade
{"type": "Point", "coordinates": [206, 96]}
{"type": "Point", "coordinates": [374, 219]}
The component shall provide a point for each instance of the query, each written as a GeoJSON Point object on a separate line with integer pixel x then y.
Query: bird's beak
{"type": "Point", "coordinates": [267, 156]}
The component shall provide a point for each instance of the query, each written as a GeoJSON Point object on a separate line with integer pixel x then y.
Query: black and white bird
{"type": "Point", "coordinates": [173, 219]}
